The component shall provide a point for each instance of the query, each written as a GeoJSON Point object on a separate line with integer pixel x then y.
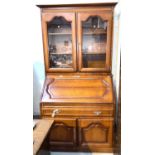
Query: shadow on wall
{"type": "Point", "coordinates": [38, 80]}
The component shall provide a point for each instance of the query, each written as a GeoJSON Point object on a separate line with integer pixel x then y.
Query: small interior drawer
{"type": "Point", "coordinates": [76, 112]}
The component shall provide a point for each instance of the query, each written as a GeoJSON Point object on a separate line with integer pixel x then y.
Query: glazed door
{"type": "Point", "coordinates": [59, 42]}
{"type": "Point", "coordinates": [94, 41]}
{"type": "Point", "coordinates": [95, 133]}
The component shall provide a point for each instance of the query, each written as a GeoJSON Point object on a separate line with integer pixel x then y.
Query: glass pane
{"type": "Point", "coordinates": [94, 42]}
{"type": "Point", "coordinates": [60, 43]}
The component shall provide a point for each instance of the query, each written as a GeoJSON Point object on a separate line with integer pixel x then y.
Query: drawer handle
{"type": "Point", "coordinates": [55, 111]}
{"type": "Point", "coordinates": [97, 113]}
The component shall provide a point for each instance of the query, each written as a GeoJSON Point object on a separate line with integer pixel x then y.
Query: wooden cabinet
{"type": "Point", "coordinates": [63, 133]}
{"type": "Point", "coordinates": [77, 40]}
{"type": "Point", "coordinates": [59, 41]}
{"type": "Point", "coordinates": [95, 132]}
{"type": "Point", "coordinates": [78, 89]}
{"type": "Point", "coordinates": [94, 41]}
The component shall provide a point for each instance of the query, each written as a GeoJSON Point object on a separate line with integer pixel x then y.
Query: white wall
{"type": "Point", "coordinates": [38, 63]}
{"type": "Point", "coordinates": [116, 50]}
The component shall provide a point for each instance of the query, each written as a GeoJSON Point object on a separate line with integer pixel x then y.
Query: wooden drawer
{"type": "Point", "coordinates": [95, 133]}
{"type": "Point", "coordinates": [99, 111]}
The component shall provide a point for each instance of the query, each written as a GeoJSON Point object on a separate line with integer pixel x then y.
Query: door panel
{"type": "Point", "coordinates": [94, 33]}
{"type": "Point", "coordinates": [63, 133]}
{"type": "Point", "coordinates": [59, 41]}
{"type": "Point", "coordinates": [95, 132]}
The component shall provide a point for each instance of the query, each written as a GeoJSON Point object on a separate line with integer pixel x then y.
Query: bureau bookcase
{"type": "Point", "coordinates": [78, 89]}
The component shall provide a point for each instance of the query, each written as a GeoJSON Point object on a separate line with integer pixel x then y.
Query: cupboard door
{"type": "Point", "coordinates": [94, 41]}
{"type": "Point", "coordinates": [59, 41]}
{"type": "Point", "coordinates": [63, 133]}
{"type": "Point", "coordinates": [95, 133]}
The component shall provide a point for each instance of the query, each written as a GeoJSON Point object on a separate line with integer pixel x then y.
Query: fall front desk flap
{"type": "Point", "coordinates": [78, 89]}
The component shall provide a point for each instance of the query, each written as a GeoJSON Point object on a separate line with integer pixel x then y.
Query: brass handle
{"type": "Point", "coordinates": [55, 111]}
{"type": "Point", "coordinates": [97, 113]}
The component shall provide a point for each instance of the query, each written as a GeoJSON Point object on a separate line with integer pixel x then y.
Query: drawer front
{"type": "Point", "coordinates": [95, 133]}
{"type": "Point", "coordinates": [77, 112]}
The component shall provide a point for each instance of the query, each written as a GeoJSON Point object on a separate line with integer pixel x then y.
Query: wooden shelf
{"type": "Point", "coordinates": [61, 53]}
{"type": "Point", "coordinates": [86, 33]}
{"type": "Point", "coordinates": [94, 32]}
{"type": "Point", "coordinates": [59, 33]}
{"type": "Point", "coordinates": [62, 67]}
{"type": "Point", "coordinates": [93, 53]}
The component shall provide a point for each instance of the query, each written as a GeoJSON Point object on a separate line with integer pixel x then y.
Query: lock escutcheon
{"type": "Point", "coordinates": [97, 113]}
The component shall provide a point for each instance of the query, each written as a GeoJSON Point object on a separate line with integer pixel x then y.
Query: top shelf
{"type": "Point", "coordinates": [86, 33]}
{"type": "Point", "coordinates": [89, 31]}
{"type": "Point", "coordinates": [59, 33]}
